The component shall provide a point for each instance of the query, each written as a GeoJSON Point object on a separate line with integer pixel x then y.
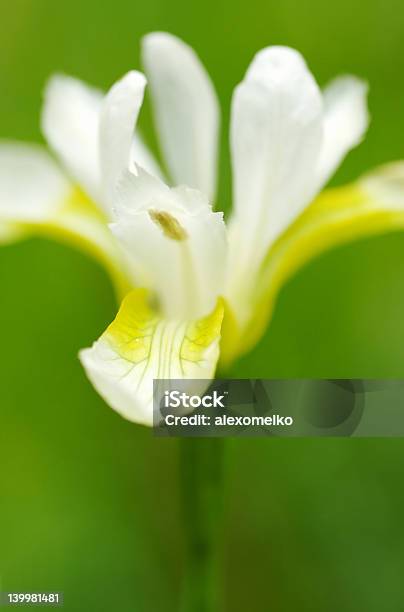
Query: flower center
{"type": "Point", "coordinates": [169, 225]}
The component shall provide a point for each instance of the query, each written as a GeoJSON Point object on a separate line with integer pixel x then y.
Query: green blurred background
{"type": "Point", "coordinates": [89, 502]}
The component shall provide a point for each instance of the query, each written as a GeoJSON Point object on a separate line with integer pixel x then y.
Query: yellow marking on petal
{"type": "Point", "coordinates": [141, 346]}
{"type": "Point", "coordinates": [133, 333]}
{"type": "Point", "coordinates": [231, 337]}
{"type": "Point", "coordinates": [169, 225]}
{"type": "Point", "coordinates": [200, 334]}
{"type": "Point", "coordinates": [132, 330]}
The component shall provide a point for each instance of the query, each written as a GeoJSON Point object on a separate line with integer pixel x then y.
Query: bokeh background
{"type": "Point", "coordinates": [89, 502]}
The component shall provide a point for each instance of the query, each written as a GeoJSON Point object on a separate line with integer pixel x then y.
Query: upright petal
{"type": "Point", "coordinates": [120, 110]}
{"type": "Point", "coordinates": [176, 244]}
{"type": "Point", "coordinates": [346, 119]}
{"type": "Point", "coordinates": [287, 140]}
{"type": "Point", "coordinates": [186, 111]}
{"type": "Point", "coordinates": [70, 120]}
{"type": "Point", "coordinates": [140, 346]}
{"type": "Point", "coordinates": [93, 135]}
{"type": "Point", "coordinates": [276, 137]}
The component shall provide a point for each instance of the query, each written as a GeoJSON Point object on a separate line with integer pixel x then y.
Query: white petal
{"type": "Point", "coordinates": [32, 188]}
{"type": "Point", "coordinates": [120, 110]}
{"type": "Point", "coordinates": [186, 111]}
{"type": "Point", "coordinates": [140, 346]}
{"type": "Point", "coordinates": [346, 120]}
{"type": "Point", "coordinates": [70, 121]}
{"type": "Point", "coordinates": [176, 244]}
{"type": "Point", "coordinates": [276, 135]}
{"type": "Point", "coordinates": [36, 198]}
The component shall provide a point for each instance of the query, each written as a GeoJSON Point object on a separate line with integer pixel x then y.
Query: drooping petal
{"type": "Point", "coordinates": [140, 346]}
{"type": "Point", "coordinates": [120, 110]}
{"type": "Point", "coordinates": [32, 187]}
{"type": "Point", "coordinates": [346, 119]}
{"type": "Point", "coordinates": [36, 198]}
{"type": "Point", "coordinates": [176, 244]}
{"type": "Point", "coordinates": [186, 111]}
{"type": "Point", "coordinates": [373, 205]}
{"type": "Point", "coordinates": [70, 120]}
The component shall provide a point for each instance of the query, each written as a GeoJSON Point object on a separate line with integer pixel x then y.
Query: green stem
{"type": "Point", "coordinates": [201, 487]}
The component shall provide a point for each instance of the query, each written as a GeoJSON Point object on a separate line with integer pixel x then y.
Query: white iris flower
{"type": "Point", "coordinates": [186, 280]}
